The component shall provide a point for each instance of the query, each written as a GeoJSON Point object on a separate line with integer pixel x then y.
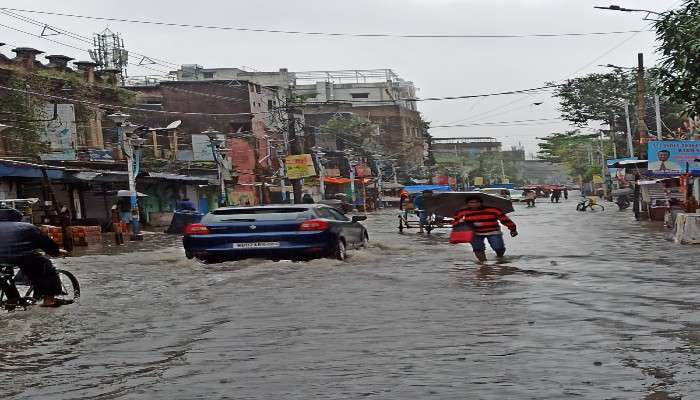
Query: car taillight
{"type": "Point", "coordinates": [313, 225]}
{"type": "Point", "coordinates": [196, 229]}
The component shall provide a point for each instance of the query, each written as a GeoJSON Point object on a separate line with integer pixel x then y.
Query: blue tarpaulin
{"type": "Point", "coordinates": [21, 171]}
{"type": "Point", "coordinates": [420, 188]}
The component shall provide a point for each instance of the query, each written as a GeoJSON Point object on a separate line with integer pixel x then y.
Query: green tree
{"type": "Point", "coordinates": [678, 33]}
{"type": "Point", "coordinates": [580, 153]}
{"type": "Point", "coordinates": [596, 98]}
{"type": "Point", "coordinates": [353, 132]}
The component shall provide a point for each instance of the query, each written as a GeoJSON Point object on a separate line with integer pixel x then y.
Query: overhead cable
{"type": "Point", "coordinates": [330, 34]}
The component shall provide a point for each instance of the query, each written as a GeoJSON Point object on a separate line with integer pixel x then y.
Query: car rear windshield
{"type": "Point", "coordinates": [257, 214]}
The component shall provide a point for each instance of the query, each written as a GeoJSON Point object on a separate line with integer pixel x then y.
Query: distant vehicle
{"type": "Point", "coordinates": [516, 195]}
{"type": "Point", "coordinates": [279, 232]}
{"type": "Point", "coordinates": [500, 192]}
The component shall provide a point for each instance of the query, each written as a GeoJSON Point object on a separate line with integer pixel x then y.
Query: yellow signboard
{"type": "Point", "coordinates": [598, 179]}
{"type": "Point", "coordinates": [299, 166]}
{"type": "Point", "coordinates": [478, 181]}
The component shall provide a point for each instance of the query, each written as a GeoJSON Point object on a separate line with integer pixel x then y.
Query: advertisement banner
{"type": "Point", "coordinates": [299, 166]}
{"type": "Point", "coordinates": [61, 133]}
{"type": "Point", "coordinates": [673, 157]}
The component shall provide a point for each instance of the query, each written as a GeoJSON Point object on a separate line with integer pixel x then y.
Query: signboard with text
{"type": "Point", "coordinates": [673, 157]}
{"type": "Point", "coordinates": [299, 166]}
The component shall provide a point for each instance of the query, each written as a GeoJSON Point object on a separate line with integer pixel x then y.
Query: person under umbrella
{"type": "Point", "coordinates": [485, 223]}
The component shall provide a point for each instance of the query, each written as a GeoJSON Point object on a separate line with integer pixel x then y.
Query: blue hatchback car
{"type": "Point", "coordinates": [275, 232]}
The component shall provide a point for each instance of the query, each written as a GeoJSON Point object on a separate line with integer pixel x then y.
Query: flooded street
{"type": "Point", "coordinates": [584, 308]}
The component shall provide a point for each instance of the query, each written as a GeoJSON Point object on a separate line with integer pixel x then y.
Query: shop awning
{"type": "Point", "coordinates": [101, 176]}
{"type": "Point", "coordinates": [20, 169]}
{"type": "Point", "coordinates": [179, 178]}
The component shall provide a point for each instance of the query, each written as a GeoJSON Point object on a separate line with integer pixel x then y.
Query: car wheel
{"type": "Point", "coordinates": [340, 253]}
{"type": "Point", "coordinates": [365, 241]}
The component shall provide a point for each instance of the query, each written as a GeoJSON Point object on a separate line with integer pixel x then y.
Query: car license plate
{"type": "Point", "coordinates": [255, 245]}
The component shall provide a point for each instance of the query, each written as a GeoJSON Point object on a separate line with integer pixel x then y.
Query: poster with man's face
{"type": "Point", "coordinates": [673, 157]}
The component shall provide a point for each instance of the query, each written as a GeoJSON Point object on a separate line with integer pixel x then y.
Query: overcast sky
{"type": "Point", "coordinates": [438, 67]}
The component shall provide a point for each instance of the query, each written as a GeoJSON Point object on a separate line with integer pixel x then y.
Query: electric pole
{"type": "Point", "coordinates": [641, 107]}
{"type": "Point", "coordinates": [294, 148]}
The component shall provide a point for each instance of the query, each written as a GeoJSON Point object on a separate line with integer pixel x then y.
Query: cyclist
{"type": "Point", "coordinates": [19, 245]}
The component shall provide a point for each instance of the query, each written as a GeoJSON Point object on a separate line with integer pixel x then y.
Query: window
{"type": "Point", "coordinates": [324, 212]}
{"type": "Point", "coordinates": [337, 215]}
{"type": "Point", "coordinates": [208, 75]}
{"type": "Point", "coordinates": [359, 95]}
{"type": "Point", "coordinates": [248, 214]}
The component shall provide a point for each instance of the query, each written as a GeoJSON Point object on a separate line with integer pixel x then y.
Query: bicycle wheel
{"type": "Point", "coordinates": [70, 288]}
{"type": "Point", "coordinates": [596, 207]}
{"type": "Point", "coordinates": [580, 207]}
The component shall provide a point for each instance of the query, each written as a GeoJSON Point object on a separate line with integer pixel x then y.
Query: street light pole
{"type": "Point", "coordinates": [119, 119]}
{"type": "Point", "coordinates": [132, 149]}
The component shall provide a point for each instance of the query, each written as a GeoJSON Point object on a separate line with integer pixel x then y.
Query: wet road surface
{"type": "Point", "coordinates": [587, 306]}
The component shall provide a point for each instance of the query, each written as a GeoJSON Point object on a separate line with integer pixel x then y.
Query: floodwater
{"type": "Point", "coordinates": [587, 306]}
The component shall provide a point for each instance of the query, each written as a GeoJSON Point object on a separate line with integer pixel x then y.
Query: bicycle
{"type": "Point", "coordinates": [10, 297]}
{"type": "Point", "coordinates": [588, 204]}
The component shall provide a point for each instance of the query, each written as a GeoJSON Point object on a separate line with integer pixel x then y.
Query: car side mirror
{"type": "Point", "coordinates": [358, 218]}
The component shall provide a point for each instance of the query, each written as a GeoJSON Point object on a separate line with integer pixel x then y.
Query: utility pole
{"type": "Point", "coordinates": [603, 168]}
{"type": "Point", "coordinates": [657, 107]}
{"type": "Point", "coordinates": [630, 146]}
{"type": "Point", "coordinates": [641, 106]}
{"type": "Point", "coordinates": [294, 149]}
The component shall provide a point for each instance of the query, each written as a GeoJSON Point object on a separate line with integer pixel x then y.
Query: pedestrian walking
{"type": "Point", "coordinates": [485, 222]}
{"type": "Point", "coordinates": [566, 193]}
{"type": "Point", "coordinates": [530, 197]}
{"type": "Point", "coordinates": [556, 195]}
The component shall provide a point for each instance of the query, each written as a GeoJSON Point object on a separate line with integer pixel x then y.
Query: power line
{"type": "Point", "coordinates": [330, 34]}
{"type": "Point", "coordinates": [68, 45]}
{"type": "Point", "coordinates": [78, 37]}
{"type": "Point", "coordinates": [498, 123]}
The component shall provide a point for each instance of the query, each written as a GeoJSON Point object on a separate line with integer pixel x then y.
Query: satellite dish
{"type": "Point", "coordinates": [174, 124]}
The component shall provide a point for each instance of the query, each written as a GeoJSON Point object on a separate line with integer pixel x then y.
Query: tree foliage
{"type": "Point", "coordinates": [580, 153]}
{"type": "Point", "coordinates": [595, 97]}
{"type": "Point", "coordinates": [678, 33]}
{"type": "Point", "coordinates": [352, 132]}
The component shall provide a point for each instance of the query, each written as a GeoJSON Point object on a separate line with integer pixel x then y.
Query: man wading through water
{"type": "Point", "coordinates": [485, 222]}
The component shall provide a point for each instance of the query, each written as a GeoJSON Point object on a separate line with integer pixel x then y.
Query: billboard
{"type": "Point", "coordinates": [299, 166]}
{"type": "Point", "coordinates": [673, 157]}
{"type": "Point", "coordinates": [60, 133]}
